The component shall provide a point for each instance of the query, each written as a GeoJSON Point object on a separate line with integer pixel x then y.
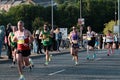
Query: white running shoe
{"type": "Point", "coordinates": [46, 64]}
{"type": "Point", "coordinates": [50, 57]}
{"type": "Point", "coordinates": [31, 62]}
{"type": "Point", "coordinates": [21, 77]}
{"type": "Point", "coordinates": [76, 63]}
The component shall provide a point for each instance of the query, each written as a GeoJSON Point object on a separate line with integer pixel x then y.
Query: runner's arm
{"type": "Point", "coordinates": [9, 38]}
{"type": "Point", "coordinates": [30, 37]}
{"type": "Point", "coordinates": [70, 37]}
{"type": "Point", "coordinates": [51, 35]}
{"type": "Point", "coordinates": [15, 37]}
{"type": "Point", "coordinates": [41, 35]}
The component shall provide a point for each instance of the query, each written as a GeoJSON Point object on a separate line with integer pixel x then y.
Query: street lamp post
{"type": "Point", "coordinates": [81, 27]}
{"type": "Point", "coordinates": [80, 9]}
{"type": "Point", "coordinates": [52, 13]}
{"type": "Point", "coordinates": [115, 13]}
{"type": "Point", "coordinates": [119, 16]}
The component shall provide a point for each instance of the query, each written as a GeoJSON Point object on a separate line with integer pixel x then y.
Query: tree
{"type": "Point", "coordinates": [98, 12]}
{"type": "Point", "coordinates": [109, 26]}
{"type": "Point", "coordinates": [3, 19]}
{"type": "Point", "coordinates": [27, 13]}
{"type": "Point", "coordinates": [68, 15]}
{"type": "Point", "coordinates": [60, 1]}
{"type": "Point", "coordinates": [95, 13]}
{"type": "Point", "coordinates": [37, 23]}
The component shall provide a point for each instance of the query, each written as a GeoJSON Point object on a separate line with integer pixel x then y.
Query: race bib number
{"type": "Point", "coordinates": [20, 41]}
{"type": "Point", "coordinates": [75, 41]}
{"type": "Point", "coordinates": [89, 38]}
{"type": "Point", "coordinates": [47, 39]}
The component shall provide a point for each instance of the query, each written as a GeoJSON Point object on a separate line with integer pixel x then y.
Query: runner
{"type": "Point", "coordinates": [74, 37]}
{"type": "Point", "coordinates": [109, 41]}
{"type": "Point", "coordinates": [90, 43]}
{"type": "Point", "coordinates": [45, 35]}
{"type": "Point", "coordinates": [23, 38]}
{"type": "Point", "coordinates": [12, 44]}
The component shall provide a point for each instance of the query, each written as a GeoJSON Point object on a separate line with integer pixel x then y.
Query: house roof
{"type": "Point", "coordinates": [39, 1]}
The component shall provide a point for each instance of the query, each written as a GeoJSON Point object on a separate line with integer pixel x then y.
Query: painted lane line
{"type": "Point", "coordinates": [97, 59]}
{"type": "Point", "coordinates": [56, 72]}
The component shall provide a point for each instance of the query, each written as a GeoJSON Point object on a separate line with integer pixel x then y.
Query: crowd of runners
{"type": "Point", "coordinates": [20, 40]}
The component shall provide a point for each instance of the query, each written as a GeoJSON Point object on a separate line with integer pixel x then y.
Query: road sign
{"type": "Point", "coordinates": [116, 29]}
{"type": "Point", "coordinates": [81, 21]}
{"type": "Point", "coordinates": [81, 27]}
{"type": "Point", "coordinates": [64, 33]}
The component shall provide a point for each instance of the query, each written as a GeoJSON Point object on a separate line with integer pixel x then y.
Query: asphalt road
{"type": "Point", "coordinates": [62, 68]}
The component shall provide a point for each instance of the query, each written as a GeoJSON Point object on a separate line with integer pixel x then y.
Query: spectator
{"type": "Point", "coordinates": [8, 30]}
{"type": "Point", "coordinates": [53, 45]}
{"type": "Point", "coordinates": [39, 48]}
{"type": "Point", "coordinates": [58, 38]}
{"type": "Point", "coordinates": [104, 41]}
{"type": "Point", "coordinates": [35, 43]}
{"type": "Point", "coordinates": [116, 40]}
{"type": "Point", "coordinates": [101, 41]}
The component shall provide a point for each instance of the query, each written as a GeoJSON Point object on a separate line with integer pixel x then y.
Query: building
{"type": "Point", "coordinates": [7, 4]}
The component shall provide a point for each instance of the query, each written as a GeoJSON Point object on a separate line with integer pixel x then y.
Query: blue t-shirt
{"type": "Point", "coordinates": [58, 36]}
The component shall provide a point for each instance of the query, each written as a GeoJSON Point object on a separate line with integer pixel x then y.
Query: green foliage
{"type": "Point", "coordinates": [66, 14]}
{"type": "Point", "coordinates": [109, 26]}
{"type": "Point", "coordinates": [69, 14]}
{"type": "Point", "coordinates": [63, 1]}
{"type": "Point", "coordinates": [3, 18]}
{"type": "Point", "coordinates": [27, 13]}
{"type": "Point", "coordinates": [98, 12]}
{"type": "Point", "coordinates": [60, 1]}
{"type": "Point", "coordinates": [37, 23]}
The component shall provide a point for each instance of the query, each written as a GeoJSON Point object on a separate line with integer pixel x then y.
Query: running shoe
{"type": "Point", "coordinates": [88, 57]}
{"type": "Point", "coordinates": [13, 64]}
{"type": "Point", "coordinates": [30, 67]}
{"type": "Point", "coordinates": [94, 56]}
{"type": "Point", "coordinates": [108, 54]}
{"type": "Point", "coordinates": [76, 63]}
{"type": "Point", "coordinates": [23, 67]}
{"type": "Point", "coordinates": [21, 77]}
{"type": "Point", "coordinates": [46, 63]}
{"type": "Point", "coordinates": [50, 57]}
{"type": "Point", "coordinates": [31, 62]}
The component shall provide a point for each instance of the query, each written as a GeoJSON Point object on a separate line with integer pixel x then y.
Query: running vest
{"type": "Point", "coordinates": [90, 35]}
{"type": "Point", "coordinates": [74, 37]}
{"type": "Point", "coordinates": [109, 38]}
{"type": "Point", "coordinates": [13, 44]}
{"type": "Point", "coordinates": [23, 42]}
{"type": "Point", "coordinates": [47, 40]}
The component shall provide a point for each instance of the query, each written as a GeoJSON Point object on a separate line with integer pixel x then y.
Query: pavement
{"type": "Point", "coordinates": [62, 67]}
{"type": "Point", "coordinates": [4, 57]}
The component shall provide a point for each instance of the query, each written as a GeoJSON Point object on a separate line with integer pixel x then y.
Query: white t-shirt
{"type": "Point", "coordinates": [109, 38]}
{"type": "Point", "coordinates": [104, 39]}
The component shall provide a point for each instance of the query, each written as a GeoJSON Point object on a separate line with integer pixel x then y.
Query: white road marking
{"type": "Point", "coordinates": [56, 72]}
{"type": "Point", "coordinates": [100, 51]}
{"type": "Point", "coordinates": [98, 59]}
